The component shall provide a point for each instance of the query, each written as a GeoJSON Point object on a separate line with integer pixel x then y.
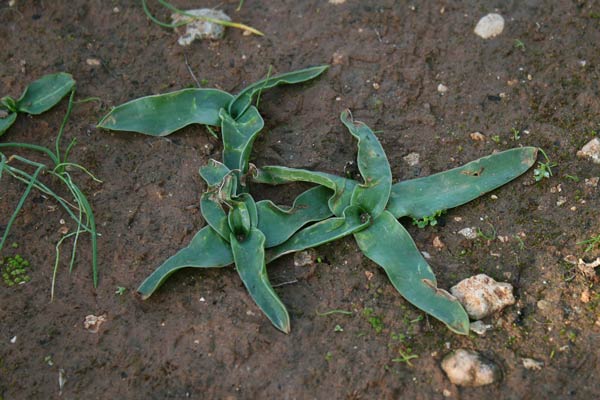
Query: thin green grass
{"type": "Point", "coordinates": [79, 209]}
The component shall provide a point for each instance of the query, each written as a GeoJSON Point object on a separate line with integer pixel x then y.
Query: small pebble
{"type": "Point", "coordinates": [482, 296]}
{"type": "Point", "coordinates": [93, 62]}
{"type": "Point", "coordinates": [479, 327]}
{"type": "Point", "coordinates": [530, 363]}
{"type": "Point", "coordinates": [477, 137]}
{"type": "Point", "coordinates": [199, 29]}
{"type": "Point", "coordinates": [490, 26]}
{"type": "Point", "coordinates": [442, 88]}
{"type": "Point", "coordinates": [13, 340]}
{"type": "Point", "coordinates": [469, 233]}
{"type": "Point", "coordinates": [544, 305]}
{"type": "Point", "coordinates": [591, 151]}
{"type": "Point", "coordinates": [469, 368]}
{"type": "Point", "coordinates": [437, 243]}
{"type": "Point", "coordinates": [412, 159]}
{"type": "Point", "coordinates": [303, 258]}
{"type": "Point", "coordinates": [92, 322]}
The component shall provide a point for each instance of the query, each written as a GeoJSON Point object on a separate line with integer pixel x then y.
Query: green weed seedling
{"type": "Point", "coordinates": [40, 96]}
{"type": "Point", "coordinates": [14, 270]}
{"type": "Point", "coordinates": [250, 234]}
{"type": "Point", "coordinates": [591, 243]}
{"type": "Point", "coordinates": [544, 169]}
{"type": "Point", "coordinates": [428, 220]}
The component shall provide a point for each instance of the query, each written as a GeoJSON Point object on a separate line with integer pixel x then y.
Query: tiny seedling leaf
{"type": "Point", "coordinates": [45, 93]}
{"type": "Point", "coordinates": [6, 122]}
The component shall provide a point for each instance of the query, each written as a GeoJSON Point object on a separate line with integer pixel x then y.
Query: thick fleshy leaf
{"type": "Point", "coordinates": [242, 101]}
{"type": "Point", "coordinates": [214, 215]}
{"type": "Point", "coordinates": [163, 114]}
{"type": "Point", "coordinates": [214, 172]}
{"type": "Point", "coordinates": [249, 256]}
{"type": "Point", "coordinates": [388, 244]}
{"type": "Point", "coordinates": [322, 232]}
{"type": "Point", "coordinates": [278, 224]}
{"type": "Point", "coordinates": [342, 188]}
{"type": "Point", "coordinates": [6, 122]}
{"type": "Point", "coordinates": [422, 197]}
{"type": "Point", "coordinates": [238, 137]}
{"type": "Point", "coordinates": [206, 250]}
{"type": "Point", "coordinates": [374, 168]}
{"type": "Point", "coordinates": [44, 93]}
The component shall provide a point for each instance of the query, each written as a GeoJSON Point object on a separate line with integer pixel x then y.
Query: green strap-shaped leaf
{"type": "Point", "coordinates": [249, 256]}
{"type": "Point", "coordinates": [242, 101]}
{"type": "Point", "coordinates": [322, 232]}
{"type": "Point", "coordinates": [342, 188]}
{"type": "Point", "coordinates": [206, 250]}
{"type": "Point", "coordinates": [6, 122]}
{"type": "Point", "coordinates": [214, 172]}
{"type": "Point", "coordinates": [163, 114]}
{"type": "Point", "coordinates": [278, 224]}
{"type": "Point", "coordinates": [424, 196]}
{"type": "Point", "coordinates": [44, 93]}
{"type": "Point", "coordinates": [388, 244]}
{"type": "Point", "coordinates": [238, 137]}
{"type": "Point", "coordinates": [374, 168]}
{"type": "Point", "coordinates": [214, 215]}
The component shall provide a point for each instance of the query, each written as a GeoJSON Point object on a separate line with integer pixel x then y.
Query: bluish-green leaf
{"type": "Point", "coordinates": [44, 93]}
{"type": "Point", "coordinates": [353, 220]}
{"type": "Point", "coordinates": [242, 101]}
{"type": "Point", "coordinates": [214, 215]}
{"type": "Point", "coordinates": [388, 244]}
{"type": "Point", "coordinates": [206, 250]}
{"type": "Point", "coordinates": [249, 256]}
{"type": "Point", "coordinates": [278, 224]}
{"type": "Point", "coordinates": [163, 114]}
{"type": "Point", "coordinates": [422, 197]}
{"type": "Point", "coordinates": [342, 188]}
{"type": "Point", "coordinates": [238, 137]}
{"type": "Point", "coordinates": [213, 173]}
{"type": "Point", "coordinates": [374, 168]}
{"type": "Point", "coordinates": [6, 122]}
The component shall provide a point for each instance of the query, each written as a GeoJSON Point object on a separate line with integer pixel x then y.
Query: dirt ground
{"type": "Point", "coordinates": [201, 336]}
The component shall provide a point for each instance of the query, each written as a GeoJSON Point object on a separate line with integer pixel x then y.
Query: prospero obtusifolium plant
{"type": "Point", "coordinates": [250, 234]}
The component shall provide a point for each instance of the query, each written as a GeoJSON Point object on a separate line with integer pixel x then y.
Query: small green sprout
{"type": "Point", "coordinates": [328, 356]}
{"type": "Point", "coordinates": [544, 169]}
{"type": "Point", "coordinates": [120, 290]}
{"type": "Point", "coordinates": [338, 329]}
{"type": "Point", "coordinates": [519, 44]}
{"type": "Point", "coordinates": [405, 356]}
{"type": "Point", "coordinates": [573, 178]}
{"type": "Point", "coordinates": [591, 243]}
{"type": "Point", "coordinates": [495, 138]}
{"type": "Point", "coordinates": [430, 220]}
{"type": "Point", "coordinates": [516, 133]}
{"type": "Point", "coordinates": [375, 321]}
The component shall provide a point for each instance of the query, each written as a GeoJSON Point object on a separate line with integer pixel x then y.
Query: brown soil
{"type": "Point", "coordinates": [201, 336]}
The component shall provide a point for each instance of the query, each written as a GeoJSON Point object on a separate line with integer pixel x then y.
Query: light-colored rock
{"type": "Point", "coordinates": [490, 26]}
{"type": "Point", "coordinates": [92, 322]}
{"type": "Point", "coordinates": [479, 327]}
{"type": "Point", "coordinates": [442, 88]}
{"type": "Point", "coordinates": [469, 233]}
{"type": "Point", "coordinates": [469, 368]}
{"type": "Point", "coordinates": [482, 296]}
{"type": "Point", "coordinates": [477, 136]}
{"type": "Point", "coordinates": [544, 305]}
{"type": "Point", "coordinates": [304, 258]}
{"type": "Point", "coordinates": [411, 159]}
{"type": "Point", "coordinates": [530, 363]}
{"type": "Point", "coordinates": [199, 29]}
{"type": "Point", "coordinates": [591, 151]}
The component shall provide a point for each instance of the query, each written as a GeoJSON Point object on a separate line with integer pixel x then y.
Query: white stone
{"type": "Point", "coordinates": [442, 88]}
{"type": "Point", "coordinates": [490, 26]}
{"type": "Point", "coordinates": [482, 296]}
{"type": "Point", "coordinates": [530, 363]}
{"type": "Point", "coordinates": [412, 159]}
{"type": "Point", "coordinates": [199, 29]}
{"type": "Point", "coordinates": [479, 327]}
{"type": "Point", "coordinates": [469, 368]}
{"type": "Point", "coordinates": [469, 233]}
{"type": "Point", "coordinates": [304, 258]}
{"type": "Point", "coordinates": [591, 150]}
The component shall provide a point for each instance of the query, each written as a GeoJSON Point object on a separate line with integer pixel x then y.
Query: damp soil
{"type": "Point", "coordinates": [201, 336]}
